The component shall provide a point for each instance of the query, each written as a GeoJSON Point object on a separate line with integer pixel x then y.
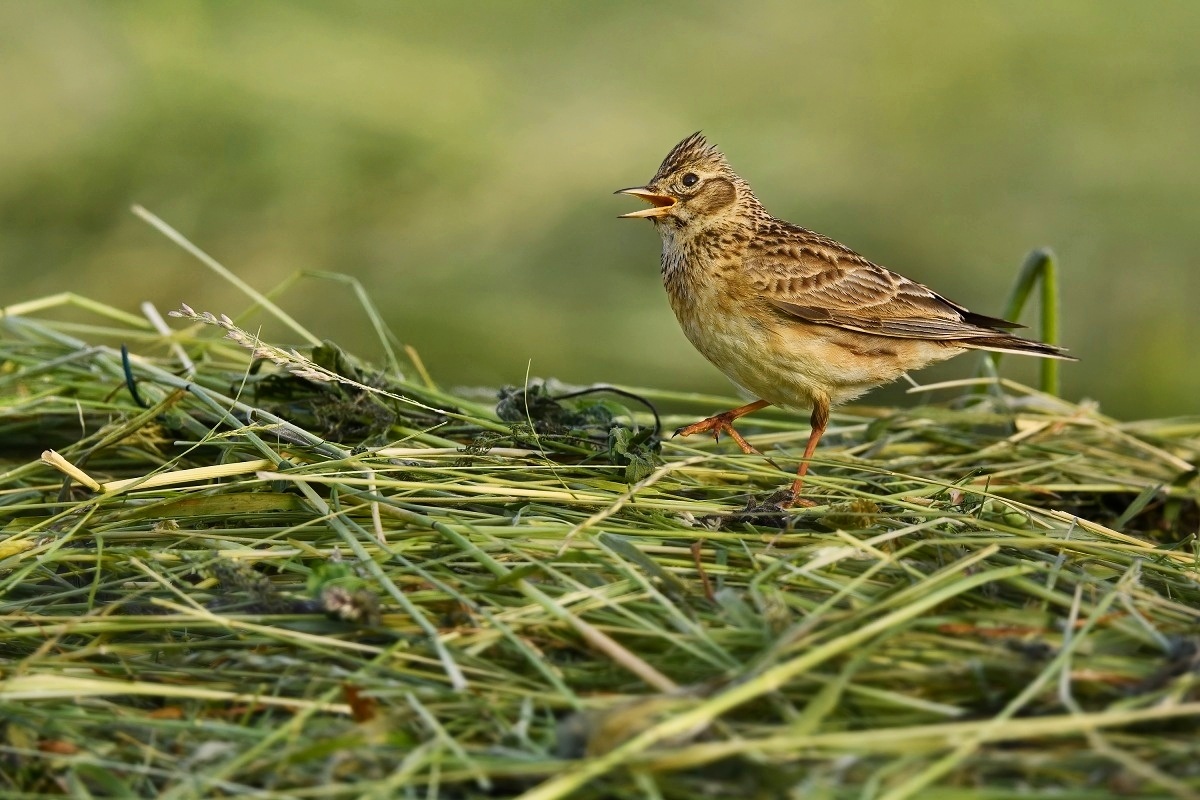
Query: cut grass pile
{"type": "Point", "coordinates": [257, 577]}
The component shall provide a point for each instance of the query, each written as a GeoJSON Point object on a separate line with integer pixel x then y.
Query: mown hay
{"type": "Point", "coordinates": [288, 574]}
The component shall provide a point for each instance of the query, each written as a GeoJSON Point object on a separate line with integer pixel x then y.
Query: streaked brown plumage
{"type": "Point", "coordinates": [792, 317]}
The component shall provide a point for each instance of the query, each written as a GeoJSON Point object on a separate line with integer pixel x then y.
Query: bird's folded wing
{"type": "Point", "coordinates": [823, 282]}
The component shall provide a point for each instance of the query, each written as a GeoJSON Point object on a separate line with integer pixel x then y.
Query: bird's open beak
{"type": "Point", "coordinates": [661, 203]}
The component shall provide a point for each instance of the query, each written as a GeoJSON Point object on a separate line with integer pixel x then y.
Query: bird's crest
{"type": "Point", "coordinates": [692, 151]}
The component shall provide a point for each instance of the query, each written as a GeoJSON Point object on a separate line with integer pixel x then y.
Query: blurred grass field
{"type": "Point", "coordinates": [459, 158]}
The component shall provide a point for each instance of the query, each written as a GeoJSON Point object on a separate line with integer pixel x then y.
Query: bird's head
{"type": "Point", "coordinates": [694, 190]}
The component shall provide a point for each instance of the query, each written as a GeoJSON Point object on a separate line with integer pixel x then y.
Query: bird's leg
{"type": "Point", "coordinates": [819, 421]}
{"type": "Point", "coordinates": [723, 423]}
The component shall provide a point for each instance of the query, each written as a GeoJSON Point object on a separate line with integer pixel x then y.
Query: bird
{"type": "Point", "coordinates": [793, 318]}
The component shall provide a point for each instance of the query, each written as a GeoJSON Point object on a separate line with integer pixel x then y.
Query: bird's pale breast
{"type": "Point", "coordinates": [775, 358]}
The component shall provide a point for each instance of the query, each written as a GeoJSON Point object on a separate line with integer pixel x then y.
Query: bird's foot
{"type": "Point", "coordinates": [769, 512]}
{"type": "Point", "coordinates": [718, 424]}
{"type": "Point", "coordinates": [793, 499]}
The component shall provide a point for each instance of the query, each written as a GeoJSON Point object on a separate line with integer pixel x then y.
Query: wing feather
{"type": "Point", "coordinates": [813, 278]}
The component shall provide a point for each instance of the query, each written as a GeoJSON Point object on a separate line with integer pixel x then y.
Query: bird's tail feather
{"type": "Point", "coordinates": [1015, 344]}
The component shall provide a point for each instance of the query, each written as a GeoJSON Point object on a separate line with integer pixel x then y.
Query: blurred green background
{"type": "Point", "coordinates": [459, 158]}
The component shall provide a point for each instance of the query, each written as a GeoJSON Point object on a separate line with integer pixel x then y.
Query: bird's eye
{"type": "Point", "coordinates": [690, 179]}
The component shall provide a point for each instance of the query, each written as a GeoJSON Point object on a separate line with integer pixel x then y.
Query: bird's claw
{"type": "Point", "coordinates": [718, 424]}
{"type": "Point", "coordinates": [797, 502]}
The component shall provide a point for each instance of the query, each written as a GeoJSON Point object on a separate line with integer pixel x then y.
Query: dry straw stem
{"type": "Point", "coordinates": [998, 591]}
